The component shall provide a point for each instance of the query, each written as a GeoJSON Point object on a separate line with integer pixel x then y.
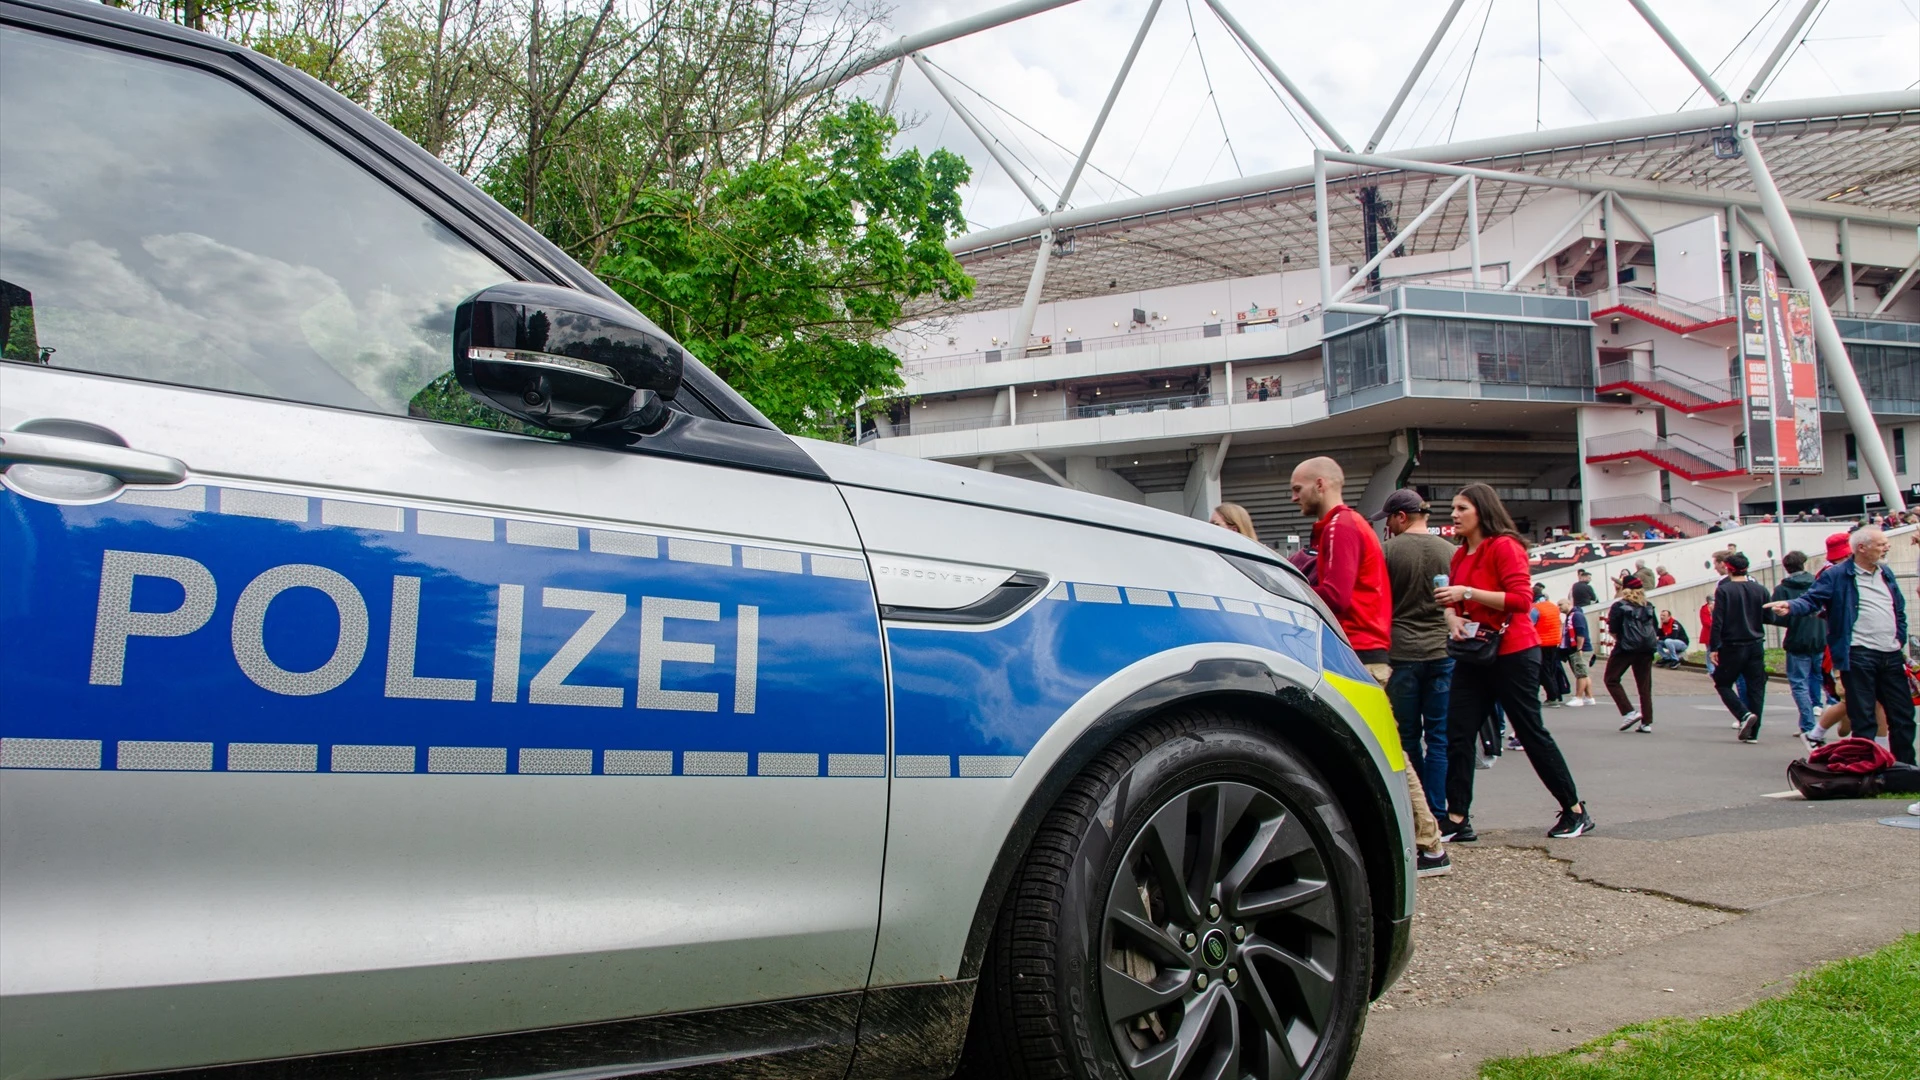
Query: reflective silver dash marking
{"type": "Point", "coordinates": [263, 504]}
{"type": "Point", "coordinates": [638, 545]}
{"type": "Point", "coordinates": [49, 753]}
{"type": "Point", "coordinates": [359, 515]}
{"type": "Point", "coordinates": [639, 763]}
{"type": "Point", "coordinates": [780, 562]}
{"type": "Point", "coordinates": [1096, 594]}
{"type": "Point", "coordinates": [856, 764]}
{"type": "Point", "coordinates": [922, 765]}
{"type": "Point", "coordinates": [177, 756]}
{"type": "Point", "coordinates": [713, 763]}
{"type": "Point", "coordinates": [1058, 592]}
{"type": "Point", "coordinates": [186, 498]}
{"type": "Point", "coordinates": [1274, 613]}
{"type": "Point", "coordinates": [272, 757]}
{"type": "Point", "coordinates": [467, 759]}
{"type": "Point", "coordinates": [988, 764]}
{"type": "Point", "coordinates": [543, 534]}
{"type": "Point", "coordinates": [771, 764]}
{"type": "Point", "coordinates": [699, 551]}
{"type": "Point", "coordinates": [834, 566]}
{"type": "Point", "coordinates": [1239, 607]}
{"type": "Point", "coordinates": [1148, 598]}
{"type": "Point", "coordinates": [457, 526]}
{"type": "Point", "coordinates": [557, 762]}
{"type": "Point", "coordinates": [1196, 600]}
{"type": "Point", "coordinates": [353, 758]}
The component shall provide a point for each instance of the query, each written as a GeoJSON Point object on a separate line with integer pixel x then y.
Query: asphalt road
{"type": "Point", "coordinates": [1687, 777]}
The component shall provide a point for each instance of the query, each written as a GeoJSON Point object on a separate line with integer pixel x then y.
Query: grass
{"type": "Point", "coordinates": [1857, 1019]}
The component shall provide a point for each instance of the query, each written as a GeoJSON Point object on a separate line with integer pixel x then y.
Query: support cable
{"type": "Point", "coordinates": [1771, 8]}
{"type": "Point", "coordinates": [1274, 90]}
{"type": "Point", "coordinates": [1015, 117]}
{"type": "Point", "coordinates": [1468, 81]}
{"type": "Point", "coordinates": [1799, 47]}
{"type": "Point", "coordinates": [1439, 99]}
{"type": "Point", "coordinates": [1194, 29]}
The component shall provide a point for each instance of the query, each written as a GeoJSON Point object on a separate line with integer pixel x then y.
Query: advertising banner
{"type": "Point", "coordinates": [1781, 389]}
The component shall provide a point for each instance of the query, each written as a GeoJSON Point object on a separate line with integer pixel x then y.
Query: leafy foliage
{"type": "Point", "coordinates": [782, 274]}
{"type": "Point", "coordinates": [675, 148]}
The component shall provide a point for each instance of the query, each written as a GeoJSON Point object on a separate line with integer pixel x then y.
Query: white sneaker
{"type": "Point", "coordinates": [1914, 809]}
{"type": "Point", "coordinates": [1590, 701]}
{"type": "Point", "coordinates": [1630, 719]}
{"type": "Point", "coordinates": [1574, 702]}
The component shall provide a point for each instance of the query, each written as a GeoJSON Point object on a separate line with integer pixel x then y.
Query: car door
{"type": "Point", "coordinates": [333, 725]}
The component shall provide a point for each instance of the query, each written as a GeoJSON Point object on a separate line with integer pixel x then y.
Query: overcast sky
{"type": "Point", "coordinates": [1505, 66]}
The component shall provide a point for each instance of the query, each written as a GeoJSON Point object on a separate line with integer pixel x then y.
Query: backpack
{"type": "Point", "coordinates": [1819, 782]}
{"type": "Point", "coordinates": [1639, 629]}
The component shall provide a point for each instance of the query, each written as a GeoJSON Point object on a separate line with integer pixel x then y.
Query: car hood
{"type": "Point", "coordinates": [860, 467]}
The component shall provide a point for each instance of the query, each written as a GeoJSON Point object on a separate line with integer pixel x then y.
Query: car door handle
{"type": "Point", "coordinates": [129, 466]}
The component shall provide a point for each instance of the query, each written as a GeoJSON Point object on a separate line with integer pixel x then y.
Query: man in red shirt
{"type": "Point", "coordinates": [1348, 569]}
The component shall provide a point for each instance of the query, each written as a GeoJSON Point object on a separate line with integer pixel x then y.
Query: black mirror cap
{"type": "Point", "coordinates": [561, 359]}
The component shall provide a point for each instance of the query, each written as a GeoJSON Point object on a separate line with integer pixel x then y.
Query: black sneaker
{"type": "Point", "coordinates": [1572, 823]}
{"type": "Point", "coordinates": [1433, 865]}
{"type": "Point", "coordinates": [1457, 832]}
{"type": "Point", "coordinates": [1750, 730]}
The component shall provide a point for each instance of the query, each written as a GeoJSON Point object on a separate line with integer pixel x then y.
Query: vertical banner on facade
{"type": "Point", "coordinates": [1781, 396]}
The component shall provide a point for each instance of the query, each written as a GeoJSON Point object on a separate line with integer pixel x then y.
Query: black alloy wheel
{"type": "Point", "coordinates": [1221, 942]}
{"type": "Point", "coordinates": [1194, 908]}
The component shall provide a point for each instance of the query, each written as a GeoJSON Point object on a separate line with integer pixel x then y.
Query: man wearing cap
{"type": "Point", "coordinates": [1422, 671]}
{"type": "Point", "coordinates": [1866, 627]}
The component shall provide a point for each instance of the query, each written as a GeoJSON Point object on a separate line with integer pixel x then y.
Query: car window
{"type": "Point", "coordinates": [159, 222]}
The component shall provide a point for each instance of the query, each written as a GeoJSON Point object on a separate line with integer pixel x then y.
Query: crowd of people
{"type": "Point", "coordinates": [1467, 646]}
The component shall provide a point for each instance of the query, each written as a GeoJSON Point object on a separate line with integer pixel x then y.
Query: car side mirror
{"type": "Point", "coordinates": [564, 360]}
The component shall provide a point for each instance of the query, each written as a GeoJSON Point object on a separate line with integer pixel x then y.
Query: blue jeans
{"type": "Point", "coordinates": [1672, 649]}
{"type": "Point", "coordinates": [1803, 675]}
{"type": "Point", "coordinates": [1419, 690]}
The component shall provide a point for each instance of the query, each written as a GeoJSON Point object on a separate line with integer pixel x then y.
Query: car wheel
{"type": "Point", "coordinates": [1194, 906]}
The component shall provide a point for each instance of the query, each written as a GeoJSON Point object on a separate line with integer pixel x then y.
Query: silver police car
{"type": "Point", "coordinates": [416, 665]}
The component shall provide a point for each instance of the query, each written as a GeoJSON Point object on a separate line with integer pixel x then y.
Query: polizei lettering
{"type": "Point", "coordinates": [663, 650]}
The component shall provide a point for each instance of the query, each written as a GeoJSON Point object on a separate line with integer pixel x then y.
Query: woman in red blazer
{"type": "Point", "coordinates": [1490, 588]}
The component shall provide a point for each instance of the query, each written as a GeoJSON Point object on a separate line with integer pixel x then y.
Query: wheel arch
{"type": "Point", "coordinates": [1251, 689]}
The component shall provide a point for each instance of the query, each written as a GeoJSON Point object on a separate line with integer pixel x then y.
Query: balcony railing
{"type": "Point", "coordinates": [1694, 394]}
{"type": "Point", "coordinates": [1677, 453]}
{"type": "Point", "coordinates": [1114, 341]}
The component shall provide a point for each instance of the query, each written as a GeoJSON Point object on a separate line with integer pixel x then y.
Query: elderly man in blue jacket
{"type": "Point", "coordinates": [1866, 630]}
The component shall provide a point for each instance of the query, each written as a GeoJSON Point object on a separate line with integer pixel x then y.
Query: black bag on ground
{"type": "Point", "coordinates": [1901, 779]}
{"type": "Point", "coordinates": [1819, 782]}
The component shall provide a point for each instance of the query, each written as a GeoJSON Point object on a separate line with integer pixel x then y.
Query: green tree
{"type": "Point", "coordinates": [782, 275]}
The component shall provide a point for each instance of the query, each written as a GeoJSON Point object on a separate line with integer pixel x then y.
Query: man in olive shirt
{"type": "Point", "coordinates": [1422, 670]}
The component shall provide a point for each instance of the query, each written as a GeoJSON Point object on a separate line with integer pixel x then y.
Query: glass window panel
{"type": "Point", "coordinates": [168, 225]}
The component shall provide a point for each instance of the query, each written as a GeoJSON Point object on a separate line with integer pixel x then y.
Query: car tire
{"type": "Point", "coordinates": [1109, 960]}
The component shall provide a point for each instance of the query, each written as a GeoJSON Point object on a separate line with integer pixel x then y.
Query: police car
{"type": "Point", "coordinates": [416, 664]}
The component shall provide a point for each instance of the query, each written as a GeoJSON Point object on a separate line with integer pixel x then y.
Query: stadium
{"type": "Point", "coordinates": [1655, 322]}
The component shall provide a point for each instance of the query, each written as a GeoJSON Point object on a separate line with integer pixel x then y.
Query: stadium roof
{"type": "Point", "coordinates": [1855, 157]}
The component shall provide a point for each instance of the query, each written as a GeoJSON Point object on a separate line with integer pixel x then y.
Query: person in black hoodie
{"type": "Point", "coordinates": [1738, 647]}
{"type": "Point", "coordinates": [1806, 641]}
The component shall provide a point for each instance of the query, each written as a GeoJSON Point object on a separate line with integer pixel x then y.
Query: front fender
{"type": "Point", "coordinates": [954, 842]}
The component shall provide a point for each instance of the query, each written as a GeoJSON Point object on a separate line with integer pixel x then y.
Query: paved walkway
{"type": "Point", "coordinates": [1732, 893]}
